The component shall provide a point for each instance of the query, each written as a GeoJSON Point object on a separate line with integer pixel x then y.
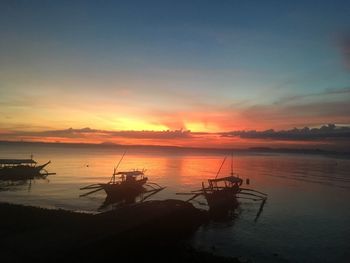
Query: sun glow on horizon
{"type": "Point", "coordinates": [201, 127]}
{"type": "Point", "coordinates": [135, 124]}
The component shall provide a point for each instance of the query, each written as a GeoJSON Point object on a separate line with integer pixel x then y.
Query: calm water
{"type": "Point", "coordinates": [306, 217]}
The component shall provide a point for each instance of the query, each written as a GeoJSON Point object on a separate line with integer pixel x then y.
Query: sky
{"type": "Point", "coordinates": [206, 66]}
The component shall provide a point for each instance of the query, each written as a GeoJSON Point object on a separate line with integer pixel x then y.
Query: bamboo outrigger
{"type": "Point", "coordinates": [125, 185]}
{"type": "Point", "coordinates": [222, 193]}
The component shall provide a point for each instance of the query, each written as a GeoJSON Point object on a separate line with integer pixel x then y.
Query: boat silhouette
{"type": "Point", "coordinates": [125, 185]}
{"type": "Point", "coordinates": [21, 169]}
{"type": "Point", "coordinates": [222, 193]}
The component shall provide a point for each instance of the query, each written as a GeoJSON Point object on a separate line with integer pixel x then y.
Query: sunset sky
{"type": "Point", "coordinates": [205, 66]}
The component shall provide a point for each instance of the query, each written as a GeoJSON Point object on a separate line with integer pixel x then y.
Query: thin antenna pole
{"type": "Point", "coordinates": [120, 160]}
{"type": "Point", "coordinates": [220, 167]}
{"type": "Point", "coordinates": [115, 168]}
{"type": "Point", "coordinates": [231, 163]}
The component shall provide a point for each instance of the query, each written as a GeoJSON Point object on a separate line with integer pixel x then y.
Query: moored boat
{"type": "Point", "coordinates": [125, 185]}
{"type": "Point", "coordinates": [21, 169]}
{"type": "Point", "coordinates": [222, 193]}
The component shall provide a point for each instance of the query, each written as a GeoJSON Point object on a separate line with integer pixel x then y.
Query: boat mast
{"type": "Point", "coordinates": [220, 167]}
{"type": "Point", "coordinates": [231, 163]}
{"type": "Point", "coordinates": [115, 168]}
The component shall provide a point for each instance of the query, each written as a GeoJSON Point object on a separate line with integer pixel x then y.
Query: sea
{"type": "Point", "coordinates": [306, 217]}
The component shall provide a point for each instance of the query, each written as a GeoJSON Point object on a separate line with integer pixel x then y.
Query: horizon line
{"type": "Point", "coordinates": [258, 149]}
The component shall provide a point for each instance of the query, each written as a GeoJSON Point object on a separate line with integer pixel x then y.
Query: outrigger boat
{"type": "Point", "coordinates": [21, 169]}
{"type": "Point", "coordinates": [222, 193]}
{"type": "Point", "coordinates": [125, 185]}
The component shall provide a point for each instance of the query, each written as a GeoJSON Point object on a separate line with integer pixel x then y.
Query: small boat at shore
{"type": "Point", "coordinates": [222, 193]}
{"type": "Point", "coordinates": [125, 185]}
{"type": "Point", "coordinates": [21, 169]}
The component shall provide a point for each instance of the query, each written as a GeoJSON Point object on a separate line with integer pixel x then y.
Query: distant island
{"type": "Point", "coordinates": [183, 149]}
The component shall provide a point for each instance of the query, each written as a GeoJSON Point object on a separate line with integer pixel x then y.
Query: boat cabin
{"type": "Point", "coordinates": [128, 176]}
{"type": "Point", "coordinates": [225, 182]}
{"type": "Point", "coordinates": [17, 162]}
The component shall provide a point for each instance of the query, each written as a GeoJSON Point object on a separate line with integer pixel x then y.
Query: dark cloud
{"type": "Point", "coordinates": [153, 134]}
{"type": "Point", "coordinates": [88, 132]}
{"type": "Point", "coordinates": [330, 131]}
{"type": "Point", "coordinates": [326, 92]}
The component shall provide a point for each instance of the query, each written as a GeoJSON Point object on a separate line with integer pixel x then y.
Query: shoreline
{"type": "Point", "coordinates": [153, 230]}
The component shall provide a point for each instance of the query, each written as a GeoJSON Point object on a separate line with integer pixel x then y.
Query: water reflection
{"type": "Point", "coordinates": [118, 200]}
{"type": "Point", "coordinates": [17, 184]}
{"type": "Point", "coordinates": [225, 214]}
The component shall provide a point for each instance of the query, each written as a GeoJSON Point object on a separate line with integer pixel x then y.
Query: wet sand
{"type": "Point", "coordinates": [153, 230]}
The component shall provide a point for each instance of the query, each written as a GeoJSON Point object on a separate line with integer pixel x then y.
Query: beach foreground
{"type": "Point", "coordinates": [153, 230]}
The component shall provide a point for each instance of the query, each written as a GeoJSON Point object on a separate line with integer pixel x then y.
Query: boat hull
{"type": "Point", "coordinates": [19, 172]}
{"type": "Point", "coordinates": [124, 189]}
{"type": "Point", "coordinates": [221, 199]}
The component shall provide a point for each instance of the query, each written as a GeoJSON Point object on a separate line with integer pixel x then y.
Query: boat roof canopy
{"type": "Point", "coordinates": [17, 161]}
{"type": "Point", "coordinates": [131, 173]}
{"type": "Point", "coordinates": [232, 179]}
